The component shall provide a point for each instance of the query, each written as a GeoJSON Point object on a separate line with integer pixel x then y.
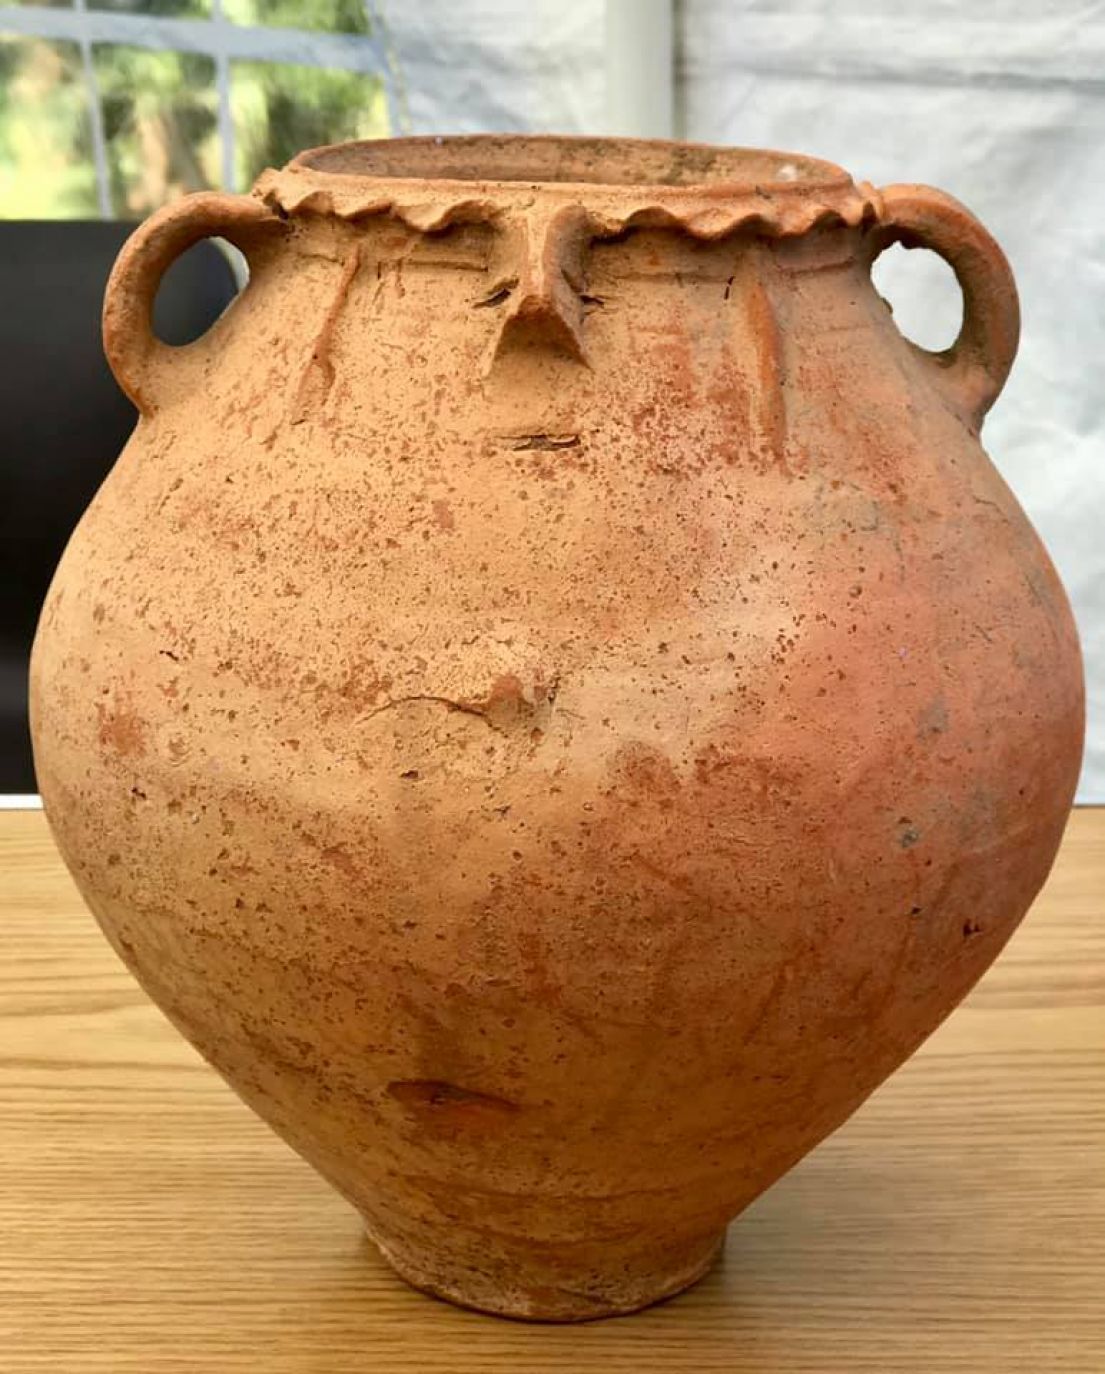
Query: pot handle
{"type": "Point", "coordinates": [141, 362]}
{"type": "Point", "coordinates": [972, 372]}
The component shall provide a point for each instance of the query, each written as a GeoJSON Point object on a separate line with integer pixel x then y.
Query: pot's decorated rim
{"type": "Point", "coordinates": [612, 183]}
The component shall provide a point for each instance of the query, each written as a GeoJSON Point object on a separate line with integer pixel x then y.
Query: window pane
{"type": "Point", "coordinates": [174, 9]}
{"type": "Point", "coordinates": [280, 109]}
{"type": "Point", "coordinates": [160, 125]}
{"type": "Point", "coordinates": [339, 16]}
{"type": "Point", "coordinates": [46, 167]}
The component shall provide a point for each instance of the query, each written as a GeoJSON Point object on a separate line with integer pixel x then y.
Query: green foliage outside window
{"type": "Point", "coordinates": [339, 16]}
{"type": "Point", "coordinates": [280, 110]}
{"type": "Point", "coordinates": [46, 167]}
{"type": "Point", "coordinates": [159, 111]}
{"type": "Point", "coordinates": [171, 9]}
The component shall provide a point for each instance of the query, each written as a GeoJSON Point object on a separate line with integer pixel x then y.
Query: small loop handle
{"type": "Point", "coordinates": [972, 372]}
{"type": "Point", "coordinates": [140, 360]}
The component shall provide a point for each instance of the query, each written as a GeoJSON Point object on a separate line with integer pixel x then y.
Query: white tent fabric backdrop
{"type": "Point", "coordinates": [499, 66]}
{"type": "Point", "coordinates": [1002, 104]}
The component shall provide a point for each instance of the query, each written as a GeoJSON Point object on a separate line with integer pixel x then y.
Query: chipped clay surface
{"type": "Point", "coordinates": [553, 700]}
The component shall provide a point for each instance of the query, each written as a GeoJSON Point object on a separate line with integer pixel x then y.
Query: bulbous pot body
{"type": "Point", "coordinates": [553, 700]}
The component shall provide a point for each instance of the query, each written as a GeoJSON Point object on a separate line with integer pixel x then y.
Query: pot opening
{"type": "Point", "coordinates": [596, 161]}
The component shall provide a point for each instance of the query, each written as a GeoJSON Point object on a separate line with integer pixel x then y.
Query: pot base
{"type": "Point", "coordinates": [544, 1289]}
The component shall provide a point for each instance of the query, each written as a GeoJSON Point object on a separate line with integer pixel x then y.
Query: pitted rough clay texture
{"type": "Point", "coordinates": [553, 700]}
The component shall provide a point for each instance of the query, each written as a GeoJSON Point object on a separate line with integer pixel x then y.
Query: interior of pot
{"type": "Point", "coordinates": [604, 161]}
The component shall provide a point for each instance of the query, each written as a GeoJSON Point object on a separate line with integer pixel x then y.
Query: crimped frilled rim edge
{"type": "Point", "coordinates": [430, 206]}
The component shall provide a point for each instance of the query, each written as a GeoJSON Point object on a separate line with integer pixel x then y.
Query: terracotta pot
{"type": "Point", "coordinates": [554, 701]}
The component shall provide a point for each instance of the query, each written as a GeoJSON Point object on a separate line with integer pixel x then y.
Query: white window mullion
{"type": "Point", "coordinates": [222, 84]}
{"type": "Point", "coordinates": [95, 114]}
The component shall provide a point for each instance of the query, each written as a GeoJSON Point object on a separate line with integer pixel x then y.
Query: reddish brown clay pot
{"type": "Point", "coordinates": [553, 701]}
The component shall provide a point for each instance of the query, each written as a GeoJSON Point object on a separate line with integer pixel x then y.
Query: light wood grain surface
{"type": "Point", "coordinates": [149, 1223]}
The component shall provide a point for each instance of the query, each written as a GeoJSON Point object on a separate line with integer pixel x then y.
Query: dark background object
{"type": "Point", "coordinates": [63, 420]}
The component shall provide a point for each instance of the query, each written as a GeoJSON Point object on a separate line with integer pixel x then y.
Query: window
{"type": "Point", "coordinates": [113, 107]}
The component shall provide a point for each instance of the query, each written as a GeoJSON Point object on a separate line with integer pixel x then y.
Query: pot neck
{"type": "Point", "coordinates": [542, 230]}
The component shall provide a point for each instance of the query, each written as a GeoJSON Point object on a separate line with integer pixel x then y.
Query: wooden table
{"type": "Point", "coordinates": [148, 1222]}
